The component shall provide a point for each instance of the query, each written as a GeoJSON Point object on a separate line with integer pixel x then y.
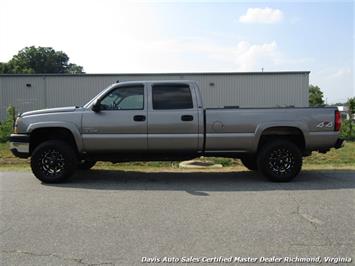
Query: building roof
{"type": "Point", "coordinates": [160, 74]}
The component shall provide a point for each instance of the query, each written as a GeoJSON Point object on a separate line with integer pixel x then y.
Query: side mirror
{"type": "Point", "coordinates": [96, 107]}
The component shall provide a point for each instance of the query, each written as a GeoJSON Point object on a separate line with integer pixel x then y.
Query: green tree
{"type": "Point", "coordinates": [351, 105]}
{"type": "Point", "coordinates": [40, 60]}
{"type": "Point", "coordinates": [6, 126]}
{"type": "Point", "coordinates": [351, 111]}
{"type": "Point", "coordinates": [315, 96]}
{"type": "Point", "coordinates": [74, 69]}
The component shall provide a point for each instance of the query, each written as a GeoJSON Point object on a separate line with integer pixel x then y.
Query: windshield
{"type": "Point", "coordinates": [97, 96]}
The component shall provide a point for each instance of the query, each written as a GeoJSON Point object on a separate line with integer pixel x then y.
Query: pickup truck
{"type": "Point", "coordinates": [166, 120]}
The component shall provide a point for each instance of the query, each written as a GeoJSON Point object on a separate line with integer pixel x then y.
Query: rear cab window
{"type": "Point", "coordinates": [171, 96]}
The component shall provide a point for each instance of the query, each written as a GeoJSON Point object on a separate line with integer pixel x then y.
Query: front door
{"type": "Point", "coordinates": [121, 123]}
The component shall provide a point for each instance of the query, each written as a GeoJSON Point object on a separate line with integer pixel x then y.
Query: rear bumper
{"type": "Point", "coordinates": [338, 144]}
{"type": "Point", "coordinates": [20, 145]}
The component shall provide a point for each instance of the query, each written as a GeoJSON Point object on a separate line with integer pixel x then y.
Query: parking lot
{"type": "Point", "coordinates": [116, 218]}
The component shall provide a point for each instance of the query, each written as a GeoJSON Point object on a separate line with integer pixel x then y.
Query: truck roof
{"type": "Point", "coordinates": [156, 81]}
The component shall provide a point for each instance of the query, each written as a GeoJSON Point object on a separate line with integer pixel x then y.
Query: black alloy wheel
{"type": "Point", "coordinates": [280, 160]}
{"type": "Point", "coordinates": [53, 161]}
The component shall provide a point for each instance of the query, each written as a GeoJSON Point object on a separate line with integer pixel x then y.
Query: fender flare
{"type": "Point", "coordinates": [67, 125]}
{"type": "Point", "coordinates": [294, 124]}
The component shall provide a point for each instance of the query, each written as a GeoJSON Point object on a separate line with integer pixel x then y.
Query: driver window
{"type": "Point", "coordinates": [124, 98]}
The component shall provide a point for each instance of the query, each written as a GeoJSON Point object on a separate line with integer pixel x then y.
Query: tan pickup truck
{"type": "Point", "coordinates": [166, 120]}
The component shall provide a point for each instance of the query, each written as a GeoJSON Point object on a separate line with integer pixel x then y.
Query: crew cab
{"type": "Point", "coordinates": [166, 120]}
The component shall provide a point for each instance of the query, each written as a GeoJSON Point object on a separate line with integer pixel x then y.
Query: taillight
{"type": "Point", "coordinates": [337, 123]}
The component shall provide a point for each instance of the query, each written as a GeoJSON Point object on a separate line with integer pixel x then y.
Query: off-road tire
{"type": "Point", "coordinates": [249, 162]}
{"type": "Point", "coordinates": [53, 161]}
{"type": "Point", "coordinates": [279, 160]}
{"type": "Point", "coordinates": [86, 165]}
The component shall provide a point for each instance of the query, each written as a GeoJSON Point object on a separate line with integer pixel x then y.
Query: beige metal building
{"type": "Point", "coordinates": [244, 89]}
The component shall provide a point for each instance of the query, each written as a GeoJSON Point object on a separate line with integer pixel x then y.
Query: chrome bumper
{"type": "Point", "coordinates": [20, 145]}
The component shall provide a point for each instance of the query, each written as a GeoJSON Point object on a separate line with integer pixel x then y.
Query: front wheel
{"type": "Point", "coordinates": [280, 160]}
{"type": "Point", "coordinates": [53, 161]}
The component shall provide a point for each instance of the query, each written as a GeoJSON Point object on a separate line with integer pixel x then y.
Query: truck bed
{"type": "Point", "coordinates": [237, 129]}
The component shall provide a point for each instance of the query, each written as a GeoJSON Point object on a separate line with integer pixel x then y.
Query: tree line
{"type": "Point", "coordinates": [39, 60]}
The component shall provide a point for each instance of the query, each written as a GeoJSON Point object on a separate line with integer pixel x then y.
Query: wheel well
{"type": "Point", "coordinates": [40, 135]}
{"type": "Point", "coordinates": [292, 134]}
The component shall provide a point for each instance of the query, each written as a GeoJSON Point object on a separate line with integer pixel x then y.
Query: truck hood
{"type": "Point", "coordinates": [50, 110]}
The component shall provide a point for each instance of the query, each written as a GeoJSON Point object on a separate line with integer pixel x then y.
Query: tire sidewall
{"type": "Point", "coordinates": [69, 156]}
{"type": "Point", "coordinates": [263, 160]}
{"type": "Point", "coordinates": [250, 162]}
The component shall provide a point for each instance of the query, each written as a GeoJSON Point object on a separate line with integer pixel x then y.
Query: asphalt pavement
{"type": "Point", "coordinates": [129, 218]}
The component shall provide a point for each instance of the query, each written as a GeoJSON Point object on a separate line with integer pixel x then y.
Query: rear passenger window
{"type": "Point", "coordinates": [171, 96]}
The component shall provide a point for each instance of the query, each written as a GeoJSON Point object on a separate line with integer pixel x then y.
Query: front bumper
{"type": "Point", "coordinates": [20, 145]}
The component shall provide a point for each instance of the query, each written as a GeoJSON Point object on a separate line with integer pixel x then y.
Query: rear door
{"type": "Point", "coordinates": [172, 118]}
{"type": "Point", "coordinates": [121, 124]}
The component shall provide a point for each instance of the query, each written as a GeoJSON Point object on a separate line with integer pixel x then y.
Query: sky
{"type": "Point", "coordinates": [112, 36]}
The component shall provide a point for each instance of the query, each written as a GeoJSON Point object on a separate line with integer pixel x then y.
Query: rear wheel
{"type": "Point", "coordinates": [86, 165]}
{"type": "Point", "coordinates": [53, 161]}
{"type": "Point", "coordinates": [280, 160]}
{"type": "Point", "coordinates": [250, 162]}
